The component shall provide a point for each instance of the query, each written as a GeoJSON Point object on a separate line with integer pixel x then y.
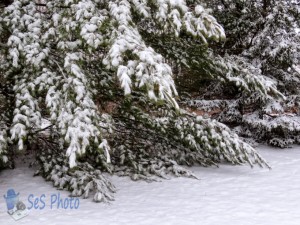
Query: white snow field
{"type": "Point", "coordinates": [229, 195]}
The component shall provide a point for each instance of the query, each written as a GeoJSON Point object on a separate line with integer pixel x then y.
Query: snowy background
{"type": "Point", "coordinates": [233, 195]}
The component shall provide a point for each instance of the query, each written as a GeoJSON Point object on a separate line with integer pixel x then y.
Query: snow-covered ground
{"type": "Point", "coordinates": [229, 195]}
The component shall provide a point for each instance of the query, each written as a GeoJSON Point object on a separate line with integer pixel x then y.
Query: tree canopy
{"type": "Point", "coordinates": [99, 86]}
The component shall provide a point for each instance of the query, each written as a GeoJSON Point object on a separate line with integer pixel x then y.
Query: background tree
{"type": "Point", "coordinates": [262, 38]}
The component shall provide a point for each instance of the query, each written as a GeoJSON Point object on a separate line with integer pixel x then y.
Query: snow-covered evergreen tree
{"type": "Point", "coordinates": [262, 40]}
{"type": "Point", "coordinates": [89, 84]}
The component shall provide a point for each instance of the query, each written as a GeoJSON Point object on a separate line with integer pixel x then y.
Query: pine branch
{"type": "Point", "coordinates": [3, 45]}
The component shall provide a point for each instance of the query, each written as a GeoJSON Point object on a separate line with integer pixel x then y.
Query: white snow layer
{"type": "Point", "coordinates": [233, 195]}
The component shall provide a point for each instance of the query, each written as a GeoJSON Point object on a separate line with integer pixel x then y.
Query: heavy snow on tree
{"type": "Point", "coordinates": [263, 39]}
{"type": "Point", "coordinates": [89, 85]}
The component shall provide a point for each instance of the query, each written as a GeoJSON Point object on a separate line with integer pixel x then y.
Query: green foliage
{"type": "Point", "coordinates": [91, 85]}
